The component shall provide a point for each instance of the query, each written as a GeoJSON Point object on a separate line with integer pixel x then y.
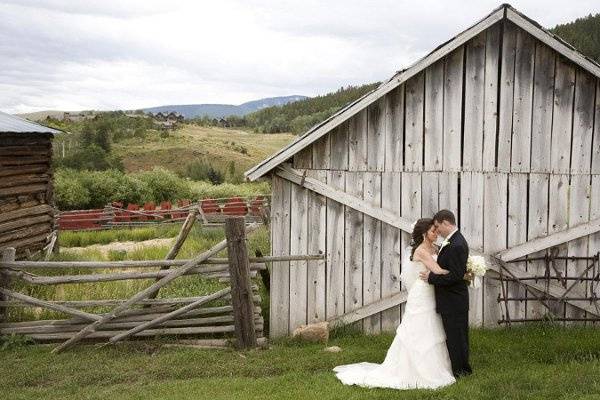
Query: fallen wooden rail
{"type": "Point", "coordinates": [142, 314]}
{"type": "Point", "coordinates": [102, 334]}
{"type": "Point", "coordinates": [117, 276]}
{"type": "Point", "coordinates": [20, 265]}
{"type": "Point", "coordinates": [171, 315]}
{"type": "Point", "coordinates": [210, 321]}
{"type": "Point", "coordinates": [23, 300]}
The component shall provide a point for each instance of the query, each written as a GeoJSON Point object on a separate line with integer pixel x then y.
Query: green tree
{"type": "Point", "coordinates": [583, 34]}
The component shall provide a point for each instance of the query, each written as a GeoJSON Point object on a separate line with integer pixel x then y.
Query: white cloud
{"type": "Point", "coordinates": [126, 54]}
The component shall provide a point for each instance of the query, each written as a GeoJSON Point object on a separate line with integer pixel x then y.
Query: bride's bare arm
{"type": "Point", "coordinates": [426, 258]}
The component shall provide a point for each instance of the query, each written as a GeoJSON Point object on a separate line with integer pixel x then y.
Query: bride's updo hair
{"type": "Point", "coordinates": [421, 227]}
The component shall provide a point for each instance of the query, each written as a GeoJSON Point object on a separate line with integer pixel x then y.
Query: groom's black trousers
{"type": "Point", "coordinates": [456, 326]}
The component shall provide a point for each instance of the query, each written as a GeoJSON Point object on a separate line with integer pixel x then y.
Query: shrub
{"type": "Point", "coordinates": [91, 157]}
{"type": "Point", "coordinates": [94, 189]}
{"type": "Point", "coordinates": [232, 175]}
{"type": "Point", "coordinates": [164, 184]}
{"type": "Point", "coordinates": [69, 191]}
{"type": "Point", "coordinates": [134, 190]}
{"type": "Point", "coordinates": [102, 186]}
{"type": "Point", "coordinates": [201, 171]}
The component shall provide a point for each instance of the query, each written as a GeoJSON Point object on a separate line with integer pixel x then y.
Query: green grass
{"type": "Point", "coordinates": [538, 362]}
{"type": "Point", "coordinates": [205, 190]}
{"type": "Point", "coordinates": [86, 238]}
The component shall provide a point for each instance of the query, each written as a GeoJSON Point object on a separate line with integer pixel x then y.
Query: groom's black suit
{"type": "Point", "coordinates": [452, 301]}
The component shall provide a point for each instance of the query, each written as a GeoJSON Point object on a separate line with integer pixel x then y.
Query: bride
{"type": "Point", "coordinates": [418, 357]}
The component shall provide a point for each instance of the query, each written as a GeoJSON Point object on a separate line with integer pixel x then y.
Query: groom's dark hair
{"type": "Point", "coordinates": [445, 215]}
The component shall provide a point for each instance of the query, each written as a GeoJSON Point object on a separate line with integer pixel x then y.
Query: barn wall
{"type": "Point", "coordinates": [501, 131]}
{"type": "Point", "coordinates": [26, 191]}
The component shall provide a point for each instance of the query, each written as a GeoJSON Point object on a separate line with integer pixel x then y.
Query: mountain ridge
{"type": "Point", "coordinates": [216, 110]}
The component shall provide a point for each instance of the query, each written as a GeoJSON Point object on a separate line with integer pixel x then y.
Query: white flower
{"type": "Point", "coordinates": [476, 265]}
{"type": "Point", "coordinates": [446, 242]}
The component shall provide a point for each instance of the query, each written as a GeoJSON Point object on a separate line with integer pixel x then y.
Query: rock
{"type": "Point", "coordinates": [315, 333]}
{"type": "Point", "coordinates": [332, 349]}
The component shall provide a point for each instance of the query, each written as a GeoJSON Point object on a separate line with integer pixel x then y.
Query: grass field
{"type": "Point", "coordinates": [218, 146]}
{"type": "Point", "coordinates": [522, 363]}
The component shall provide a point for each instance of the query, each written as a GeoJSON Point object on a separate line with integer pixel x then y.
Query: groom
{"type": "Point", "coordinates": [451, 293]}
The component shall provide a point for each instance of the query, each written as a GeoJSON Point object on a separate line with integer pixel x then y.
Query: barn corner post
{"type": "Point", "coordinates": [241, 288]}
{"type": "Point", "coordinates": [6, 255]}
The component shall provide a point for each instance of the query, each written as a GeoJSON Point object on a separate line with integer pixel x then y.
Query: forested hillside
{"type": "Point", "coordinates": [584, 34]}
{"type": "Point", "coordinates": [299, 116]}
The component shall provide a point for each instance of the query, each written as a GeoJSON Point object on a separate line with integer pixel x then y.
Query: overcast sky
{"type": "Point", "coordinates": [127, 54]}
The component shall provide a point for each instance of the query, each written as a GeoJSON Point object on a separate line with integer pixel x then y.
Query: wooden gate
{"type": "Point", "coordinates": [234, 309]}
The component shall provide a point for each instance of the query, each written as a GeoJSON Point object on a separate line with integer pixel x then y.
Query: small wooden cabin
{"type": "Point", "coordinates": [501, 124]}
{"type": "Point", "coordinates": [26, 196]}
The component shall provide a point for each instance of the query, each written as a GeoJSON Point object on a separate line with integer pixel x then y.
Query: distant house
{"type": "Point", "coordinates": [76, 117]}
{"type": "Point", "coordinates": [166, 120]}
{"type": "Point", "coordinates": [26, 187]}
{"type": "Point", "coordinates": [175, 117]}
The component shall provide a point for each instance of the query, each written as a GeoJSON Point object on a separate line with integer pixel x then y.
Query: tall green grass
{"type": "Point", "coordinates": [203, 190]}
{"type": "Point", "coordinates": [87, 238]}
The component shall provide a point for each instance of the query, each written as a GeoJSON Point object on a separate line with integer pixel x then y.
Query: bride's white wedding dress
{"type": "Point", "coordinates": [418, 357]}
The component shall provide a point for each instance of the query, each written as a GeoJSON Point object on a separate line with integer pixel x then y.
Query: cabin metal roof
{"type": "Point", "coordinates": [12, 124]}
{"type": "Point", "coordinates": [504, 12]}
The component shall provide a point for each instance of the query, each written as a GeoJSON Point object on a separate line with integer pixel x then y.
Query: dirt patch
{"type": "Point", "coordinates": [128, 246]}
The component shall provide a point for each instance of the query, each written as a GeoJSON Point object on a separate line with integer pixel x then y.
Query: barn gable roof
{"type": "Point", "coordinates": [12, 124]}
{"type": "Point", "coordinates": [505, 11]}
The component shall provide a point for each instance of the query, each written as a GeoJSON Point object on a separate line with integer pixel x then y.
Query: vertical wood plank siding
{"type": "Point", "coordinates": [280, 246]}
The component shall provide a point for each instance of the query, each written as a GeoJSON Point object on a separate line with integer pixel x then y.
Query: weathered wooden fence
{"type": "Point", "coordinates": [232, 313]}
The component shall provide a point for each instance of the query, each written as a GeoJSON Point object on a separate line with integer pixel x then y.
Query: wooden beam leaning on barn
{"type": "Point", "coordinates": [142, 295]}
{"type": "Point", "coordinates": [368, 310]}
{"type": "Point", "coordinates": [552, 240]}
{"type": "Point", "coordinates": [493, 262]}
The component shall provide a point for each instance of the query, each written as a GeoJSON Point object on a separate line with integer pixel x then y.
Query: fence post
{"type": "Point", "coordinates": [7, 255]}
{"type": "Point", "coordinates": [241, 289]}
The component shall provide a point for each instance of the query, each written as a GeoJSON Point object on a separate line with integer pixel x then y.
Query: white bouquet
{"type": "Point", "coordinates": [476, 268]}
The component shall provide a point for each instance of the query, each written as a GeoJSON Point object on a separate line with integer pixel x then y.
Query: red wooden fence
{"type": "Point", "coordinates": [117, 214]}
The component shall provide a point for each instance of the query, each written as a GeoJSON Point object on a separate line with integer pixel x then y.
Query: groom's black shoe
{"type": "Point", "coordinates": [462, 373]}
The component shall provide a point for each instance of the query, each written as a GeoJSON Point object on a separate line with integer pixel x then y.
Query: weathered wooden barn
{"type": "Point", "coordinates": [501, 124]}
{"type": "Point", "coordinates": [26, 195]}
